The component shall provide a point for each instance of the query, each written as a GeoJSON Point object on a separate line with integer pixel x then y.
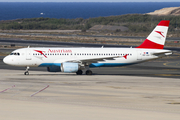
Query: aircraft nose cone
{"type": "Point", "coordinates": [6, 60]}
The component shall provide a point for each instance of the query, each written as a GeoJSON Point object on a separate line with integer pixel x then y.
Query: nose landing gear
{"type": "Point", "coordinates": [26, 72]}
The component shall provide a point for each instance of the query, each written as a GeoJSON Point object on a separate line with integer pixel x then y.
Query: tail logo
{"type": "Point", "coordinates": [161, 33]}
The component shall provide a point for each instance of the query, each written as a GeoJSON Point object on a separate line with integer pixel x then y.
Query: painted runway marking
{"type": "Point", "coordinates": [39, 91]}
{"type": "Point", "coordinates": [7, 89]}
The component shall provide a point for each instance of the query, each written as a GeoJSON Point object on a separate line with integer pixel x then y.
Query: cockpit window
{"type": "Point", "coordinates": [15, 53]}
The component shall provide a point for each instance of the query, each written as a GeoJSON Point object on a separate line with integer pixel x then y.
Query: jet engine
{"type": "Point", "coordinates": [69, 67]}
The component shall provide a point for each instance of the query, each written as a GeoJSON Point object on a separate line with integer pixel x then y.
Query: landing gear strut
{"type": "Point", "coordinates": [88, 72]}
{"type": "Point", "coordinates": [26, 72]}
{"type": "Point", "coordinates": [79, 72]}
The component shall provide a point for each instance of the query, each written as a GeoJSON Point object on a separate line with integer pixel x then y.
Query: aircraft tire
{"type": "Point", "coordinates": [88, 72]}
{"type": "Point", "coordinates": [79, 72]}
{"type": "Point", "coordinates": [26, 73]}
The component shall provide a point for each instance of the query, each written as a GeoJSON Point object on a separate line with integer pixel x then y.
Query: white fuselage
{"type": "Point", "coordinates": [44, 57]}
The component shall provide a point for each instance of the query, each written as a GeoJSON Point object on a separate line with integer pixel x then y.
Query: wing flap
{"type": "Point", "coordinates": [95, 60]}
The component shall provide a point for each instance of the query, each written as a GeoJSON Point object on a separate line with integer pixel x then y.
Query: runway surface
{"type": "Point", "coordinates": [71, 97]}
{"type": "Point", "coordinates": [146, 91]}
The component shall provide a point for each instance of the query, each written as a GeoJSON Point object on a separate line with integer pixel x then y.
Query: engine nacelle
{"type": "Point", "coordinates": [69, 67]}
{"type": "Point", "coordinates": [54, 69]}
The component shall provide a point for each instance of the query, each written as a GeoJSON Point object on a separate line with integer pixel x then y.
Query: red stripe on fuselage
{"type": "Point", "coordinates": [150, 45]}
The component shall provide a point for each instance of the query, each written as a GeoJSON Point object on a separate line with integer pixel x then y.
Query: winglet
{"type": "Point", "coordinates": [156, 39]}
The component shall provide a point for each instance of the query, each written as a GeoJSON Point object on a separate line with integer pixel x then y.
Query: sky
{"type": "Point", "coordinates": [89, 0]}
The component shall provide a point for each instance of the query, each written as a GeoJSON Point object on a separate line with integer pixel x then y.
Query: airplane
{"type": "Point", "coordinates": [75, 60]}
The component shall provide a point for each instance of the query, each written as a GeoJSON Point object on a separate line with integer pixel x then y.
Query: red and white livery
{"type": "Point", "coordinates": [157, 37]}
{"type": "Point", "coordinates": [75, 60]}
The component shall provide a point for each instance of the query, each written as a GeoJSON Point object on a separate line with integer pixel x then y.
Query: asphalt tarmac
{"type": "Point", "coordinates": [59, 96]}
{"type": "Point", "coordinates": [145, 91]}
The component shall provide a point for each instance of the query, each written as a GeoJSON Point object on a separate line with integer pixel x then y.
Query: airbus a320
{"type": "Point", "coordinates": [77, 60]}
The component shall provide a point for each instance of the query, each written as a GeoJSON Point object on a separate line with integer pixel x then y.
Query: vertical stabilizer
{"type": "Point", "coordinates": [156, 39]}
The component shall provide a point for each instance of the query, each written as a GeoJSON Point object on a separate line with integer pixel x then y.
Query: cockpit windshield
{"type": "Point", "coordinates": [15, 53]}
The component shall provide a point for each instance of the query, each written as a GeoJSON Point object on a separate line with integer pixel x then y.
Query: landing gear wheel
{"type": "Point", "coordinates": [26, 73]}
{"type": "Point", "coordinates": [79, 72]}
{"type": "Point", "coordinates": [88, 72]}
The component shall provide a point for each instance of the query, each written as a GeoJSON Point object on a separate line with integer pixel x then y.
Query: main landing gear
{"type": "Point", "coordinates": [79, 72]}
{"type": "Point", "coordinates": [88, 72]}
{"type": "Point", "coordinates": [26, 72]}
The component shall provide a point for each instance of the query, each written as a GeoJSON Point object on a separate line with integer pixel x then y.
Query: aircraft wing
{"type": "Point", "coordinates": [95, 60]}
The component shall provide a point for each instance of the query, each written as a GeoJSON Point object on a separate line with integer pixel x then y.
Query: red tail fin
{"type": "Point", "coordinates": [157, 37]}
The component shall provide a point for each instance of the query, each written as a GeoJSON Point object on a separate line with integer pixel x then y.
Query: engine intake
{"type": "Point", "coordinates": [69, 67]}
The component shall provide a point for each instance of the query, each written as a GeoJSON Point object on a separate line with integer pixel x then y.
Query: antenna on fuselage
{"type": "Point", "coordinates": [29, 46]}
{"type": "Point", "coordinates": [102, 47]}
